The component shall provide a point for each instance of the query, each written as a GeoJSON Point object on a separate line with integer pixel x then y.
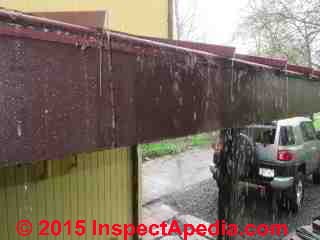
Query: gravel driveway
{"type": "Point", "coordinates": [201, 201]}
{"type": "Point", "coordinates": [185, 187]}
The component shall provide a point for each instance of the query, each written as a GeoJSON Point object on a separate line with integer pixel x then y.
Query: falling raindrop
{"type": "Point", "coordinates": [181, 101]}
{"type": "Point", "coordinates": [19, 129]}
{"type": "Point", "coordinates": [26, 210]}
{"type": "Point", "coordinates": [175, 88]}
{"type": "Point", "coordinates": [140, 60]}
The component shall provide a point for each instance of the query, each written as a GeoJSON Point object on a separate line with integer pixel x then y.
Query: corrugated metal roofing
{"type": "Point", "coordinates": [273, 62]}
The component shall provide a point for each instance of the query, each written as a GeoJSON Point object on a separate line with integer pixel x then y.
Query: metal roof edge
{"type": "Point", "coordinates": [273, 62]}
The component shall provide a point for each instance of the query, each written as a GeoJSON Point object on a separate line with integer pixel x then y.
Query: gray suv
{"type": "Point", "coordinates": [285, 152]}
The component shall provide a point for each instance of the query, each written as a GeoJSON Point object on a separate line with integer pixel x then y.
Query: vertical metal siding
{"type": "Point", "coordinates": [98, 187]}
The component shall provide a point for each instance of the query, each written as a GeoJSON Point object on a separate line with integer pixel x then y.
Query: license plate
{"type": "Point", "coordinates": [266, 172]}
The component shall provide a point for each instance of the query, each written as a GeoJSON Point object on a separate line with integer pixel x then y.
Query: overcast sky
{"type": "Point", "coordinates": [218, 19]}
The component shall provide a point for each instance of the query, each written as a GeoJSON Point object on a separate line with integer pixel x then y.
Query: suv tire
{"type": "Point", "coordinates": [297, 193]}
{"type": "Point", "coordinates": [316, 176]}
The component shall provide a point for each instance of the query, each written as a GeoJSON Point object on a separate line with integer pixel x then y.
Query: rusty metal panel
{"type": "Point", "coordinates": [306, 71]}
{"type": "Point", "coordinates": [15, 102]}
{"type": "Point", "coordinates": [219, 50]}
{"type": "Point", "coordinates": [303, 95]}
{"type": "Point", "coordinates": [177, 93]}
{"type": "Point", "coordinates": [105, 100]}
{"type": "Point", "coordinates": [168, 92]}
{"type": "Point", "coordinates": [65, 89]}
{"type": "Point", "coordinates": [254, 94]}
{"type": "Point", "coordinates": [124, 75]}
{"type": "Point", "coordinates": [274, 62]}
{"type": "Point", "coordinates": [168, 100]}
{"type": "Point", "coordinates": [49, 99]}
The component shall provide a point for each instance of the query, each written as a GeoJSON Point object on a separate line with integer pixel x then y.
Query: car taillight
{"type": "Point", "coordinates": [284, 155]}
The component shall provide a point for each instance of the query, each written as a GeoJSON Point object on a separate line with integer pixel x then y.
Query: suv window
{"type": "Point", "coordinates": [308, 131]}
{"type": "Point", "coordinates": [264, 134]}
{"type": "Point", "coordinates": [286, 136]}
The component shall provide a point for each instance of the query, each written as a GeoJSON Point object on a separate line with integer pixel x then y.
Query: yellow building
{"type": "Point", "coordinates": [143, 17]}
{"type": "Point", "coordinates": [99, 185]}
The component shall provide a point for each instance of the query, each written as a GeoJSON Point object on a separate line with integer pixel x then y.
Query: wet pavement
{"type": "Point", "coordinates": [202, 199]}
{"type": "Point", "coordinates": [172, 173]}
{"type": "Point", "coordinates": [199, 199]}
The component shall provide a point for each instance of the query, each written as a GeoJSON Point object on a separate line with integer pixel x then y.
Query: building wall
{"type": "Point", "coordinates": [87, 186]}
{"type": "Point", "coordinates": [91, 186]}
{"type": "Point", "coordinates": [143, 17]}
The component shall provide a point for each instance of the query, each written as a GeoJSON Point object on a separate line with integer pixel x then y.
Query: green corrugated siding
{"type": "Point", "coordinates": [97, 186]}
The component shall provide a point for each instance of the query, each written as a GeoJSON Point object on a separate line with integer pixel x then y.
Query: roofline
{"type": "Point", "coordinates": [273, 62]}
{"type": "Point", "coordinates": [217, 51]}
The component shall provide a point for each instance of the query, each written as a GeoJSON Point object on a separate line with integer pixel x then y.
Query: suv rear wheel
{"type": "Point", "coordinates": [316, 176]}
{"type": "Point", "coordinates": [297, 193]}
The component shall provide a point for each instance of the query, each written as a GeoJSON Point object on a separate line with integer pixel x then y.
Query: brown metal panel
{"type": "Point", "coordinates": [49, 99]}
{"type": "Point", "coordinates": [254, 94]}
{"type": "Point", "coordinates": [124, 74]}
{"type": "Point", "coordinates": [173, 96]}
{"type": "Point", "coordinates": [274, 62]}
{"type": "Point", "coordinates": [223, 51]}
{"type": "Point", "coordinates": [15, 101]}
{"type": "Point", "coordinates": [67, 81]}
{"type": "Point", "coordinates": [60, 97]}
{"type": "Point", "coordinates": [219, 50]}
{"type": "Point", "coordinates": [300, 69]}
{"type": "Point", "coordinates": [106, 106]}
{"type": "Point", "coordinates": [302, 92]}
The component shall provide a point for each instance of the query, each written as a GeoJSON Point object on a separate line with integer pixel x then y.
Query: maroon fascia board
{"type": "Point", "coordinates": [316, 73]}
{"type": "Point", "coordinates": [222, 51]}
{"type": "Point", "coordinates": [299, 69]}
{"type": "Point", "coordinates": [75, 34]}
{"type": "Point", "coordinates": [273, 62]}
{"type": "Point", "coordinates": [119, 104]}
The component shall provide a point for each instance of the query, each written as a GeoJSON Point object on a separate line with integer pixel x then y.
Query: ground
{"type": "Point", "coordinates": [183, 188]}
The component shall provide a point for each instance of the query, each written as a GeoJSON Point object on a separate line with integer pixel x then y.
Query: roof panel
{"type": "Point", "coordinates": [222, 51]}
{"type": "Point", "coordinates": [274, 62]}
{"type": "Point", "coordinates": [299, 69]}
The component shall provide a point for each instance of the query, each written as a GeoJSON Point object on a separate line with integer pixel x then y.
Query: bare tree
{"type": "Point", "coordinates": [284, 28]}
{"type": "Point", "coordinates": [186, 14]}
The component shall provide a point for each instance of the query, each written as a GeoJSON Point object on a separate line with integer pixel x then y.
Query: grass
{"type": "Point", "coordinates": [316, 121]}
{"type": "Point", "coordinates": [317, 124]}
{"type": "Point", "coordinates": [175, 146]}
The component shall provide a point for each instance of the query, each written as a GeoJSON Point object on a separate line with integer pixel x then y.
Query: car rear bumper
{"type": "Point", "coordinates": [282, 183]}
{"type": "Point", "coordinates": [277, 183]}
